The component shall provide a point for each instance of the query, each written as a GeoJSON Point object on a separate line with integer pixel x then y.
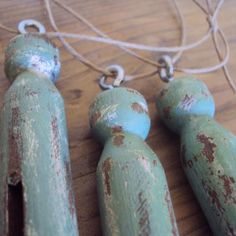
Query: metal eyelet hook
{"type": "Point", "coordinates": [31, 23]}
{"type": "Point", "coordinates": [120, 76]}
{"type": "Point", "coordinates": [167, 72]}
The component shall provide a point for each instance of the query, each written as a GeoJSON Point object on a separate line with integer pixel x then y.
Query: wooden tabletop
{"type": "Point", "coordinates": [151, 22]}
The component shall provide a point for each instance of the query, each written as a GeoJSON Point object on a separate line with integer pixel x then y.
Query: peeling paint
{"type": "Point", "coordinates": [68, 180]}
{"type": "Point", "coordinates": [214, 197]}
{"type": "Point", "coordinates": [127, 167]}
{"type": "Point", "coordinates": [138, 108]}
{"type": "Point", "coordinates": [116, 129]}
{"type": "Point", "coordinates": [31, 93]}
{"type": "Point", "coordinates": [142, 210]}
{"type": "Point", "coordinates": [108, 113]}
{"type": "Point", "coordinates": [118, 139]}
{"type": "Point", "coordinates": [187, 102]}
{"type": "Point", "coordinates": [55, 138]}
{"type": "Point", "coordinates": [209, 147]}
{"type": "Point", "coordinates": [15, 141]}
{"type": "Point", "coordinates": [106, 168]}
{"type": "Point", "coordinates": [207, 150]}
{"type": "Point", "coordinates": [34, 140]}
{"type": "Point", "coordinates": [229, 191]}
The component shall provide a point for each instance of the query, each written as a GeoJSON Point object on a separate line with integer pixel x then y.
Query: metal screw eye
{"type": "Point", "coordinates": [120, 75]}
{"type": "Point", "coordinates": [167, 71]}
{"type": "Point", "coordinates": [31, 23]}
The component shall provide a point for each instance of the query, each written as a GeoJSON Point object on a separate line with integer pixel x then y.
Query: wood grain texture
{"type": "Point", "coordinates": [151, 22]}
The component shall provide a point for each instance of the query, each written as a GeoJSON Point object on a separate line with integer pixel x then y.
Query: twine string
{"type": "Point", "coordinates": [213, 31]}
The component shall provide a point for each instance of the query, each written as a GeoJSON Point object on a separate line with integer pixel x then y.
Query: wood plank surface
{"type": "Point", "coordinates": [151, 22]}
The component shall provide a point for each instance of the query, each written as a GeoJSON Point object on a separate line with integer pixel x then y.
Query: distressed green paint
{"type": "Point", "coordinates": [208, 150]}
{"type": "Point", "coordinates": [34, 147]}
{"type": "Point", "coordinates": [134, 198]}
{"type": "Point", "coordinates": [32, 53]}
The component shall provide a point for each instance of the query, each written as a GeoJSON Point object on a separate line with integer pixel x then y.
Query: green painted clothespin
{"type": "Point", "coordinates": [35, 180]}
{"type": "Point", "coordinates": [208, 150]}
{"type": "Point", "coordinates": [134, 198]}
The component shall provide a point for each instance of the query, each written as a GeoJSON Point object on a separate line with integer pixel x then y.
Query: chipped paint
{"type": "Point", "coordinates": [31, 93]}
{"type": "Point", "coordinates": [207, 150]}
{"type": "Point", "coordinates": [68, 180]}
{"type": "Point", "coordinates": [229, 189]}
{"type": "Point", "coordinates": [34, 161]}
{"type": "Point", "coordinates": [133, 91]}
{"type": "Point", "coordinates": [209, 147]}
{"type": "Point", "coordinates": [37, 56]}
{"type": "Point", "coordinates": [187, 102]}
{"type": "Point", "coordinates": [143, 213]}
{"type": "Point", "coordinates": [108, 113]}
{"type": "Point", "coordinates": [15, 140]}
{"type": "Point", "coordinates": [106, 168]}
{"type": "Point", "coordinates": [112, 113]}
{"type": "Point", "coordinates": [213, 197]}
{"type": "Point", "coordinates": [139, 108]}
{"type": "Point", "coordinates": [55, 138]}
{"type": "Point", "coordinates": [131, 182]}
{"type": "Point", "coordinates": [118, 139]}
{"type": "Point", "coordinates": [116, 129]}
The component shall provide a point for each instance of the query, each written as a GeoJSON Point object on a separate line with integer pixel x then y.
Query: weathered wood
{"type": "Point", "coordinates": [35, 181]}
{"type": "Point", "coordinates": [134, 198]}
{"type": "Point", "coordinates": [150, 22]}
{"type": "Point", "coordinates": [208, 150]}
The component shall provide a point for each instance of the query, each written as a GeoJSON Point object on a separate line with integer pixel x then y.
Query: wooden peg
{"type": "Point", "coordinates": [133, 194]}
{"type": "Point", "coordinates": [35, 181]}
{"type": "Point", "coordinates": [208, 150]}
